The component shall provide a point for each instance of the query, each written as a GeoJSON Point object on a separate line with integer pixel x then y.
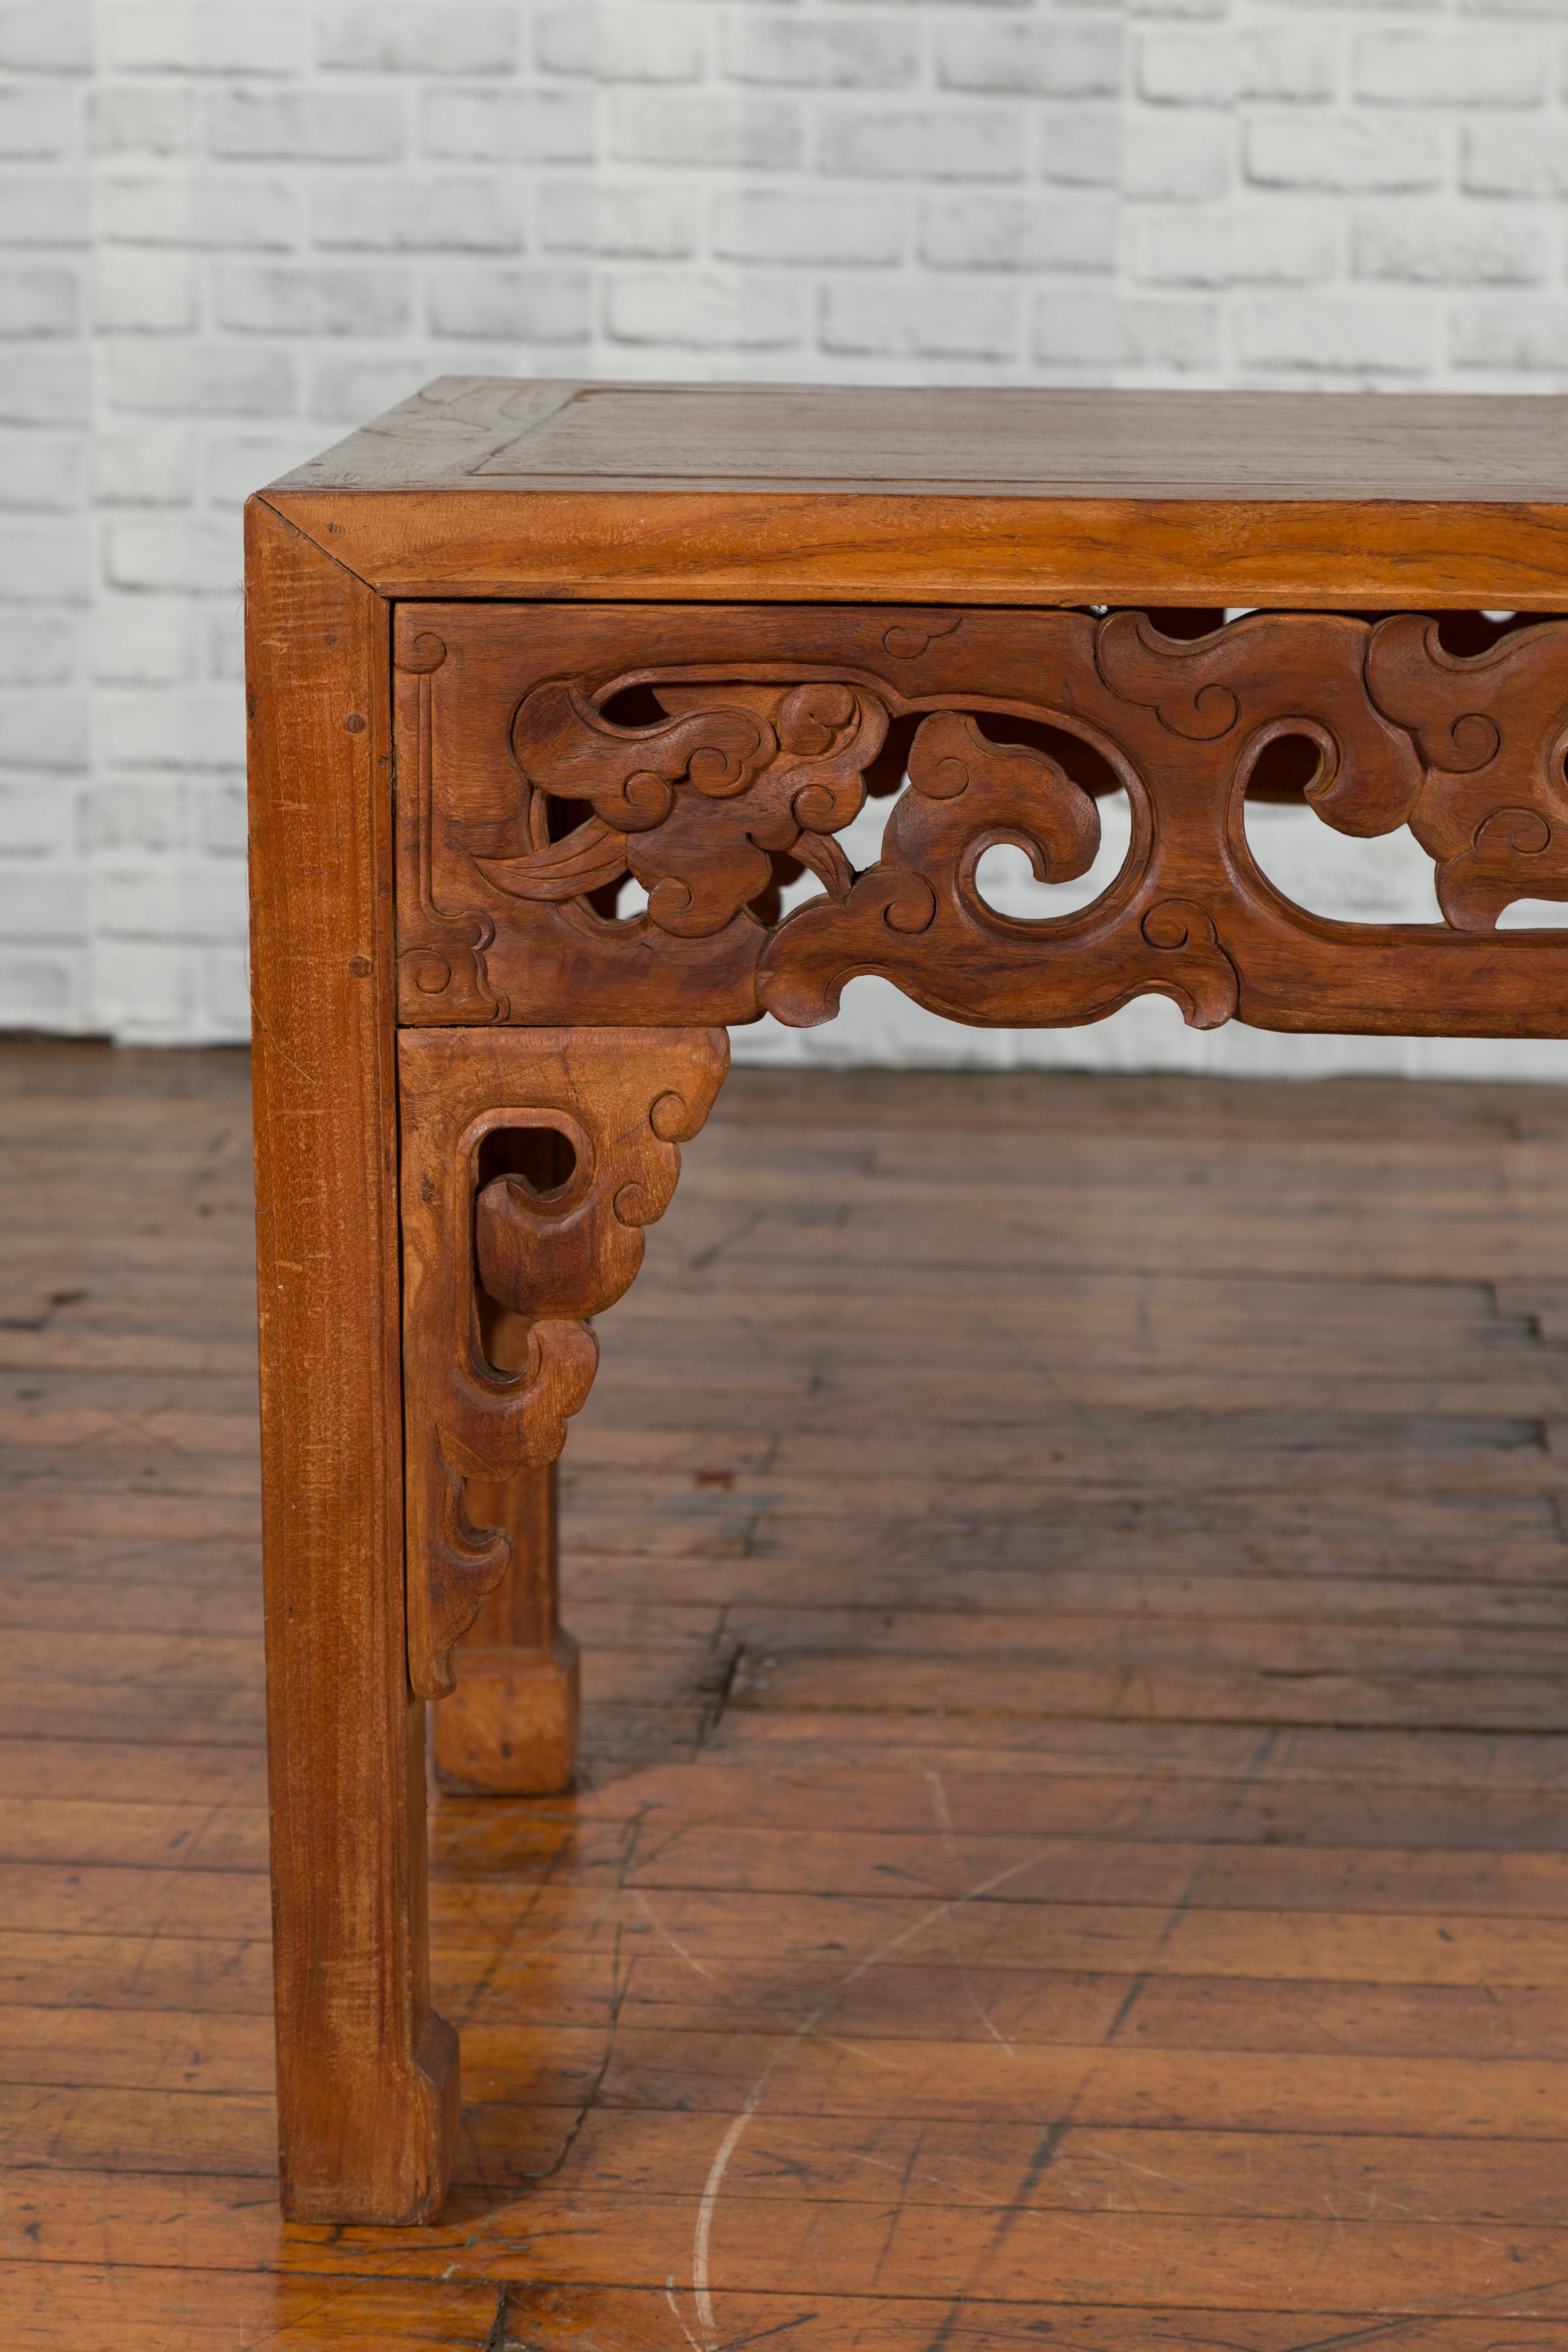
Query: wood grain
{"type": "Point", "coordinates": [997, 1396]}
{"type": "Point", "coordinates": [505, 1261]}
{"type": "Point", "coordinates": [367, 2072]}
{"type": "Point", "coordinates": [491, 488]}
{"type": "Point", "coordinates": [756, 737]}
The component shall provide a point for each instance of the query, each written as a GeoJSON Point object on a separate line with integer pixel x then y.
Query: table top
{"type": "Point", "coordinates": [487, 432]}
{"type": "Point", "coordinates": [783, 491]}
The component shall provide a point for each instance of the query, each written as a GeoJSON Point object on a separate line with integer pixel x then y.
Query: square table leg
{"type": "Point", "coordinates": [367, 2073]}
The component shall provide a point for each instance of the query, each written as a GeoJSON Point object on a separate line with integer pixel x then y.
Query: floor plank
{"type": "Point", "coordinates": [1070, 1845]}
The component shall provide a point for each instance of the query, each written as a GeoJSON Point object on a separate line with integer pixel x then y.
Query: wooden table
{"type": "Point", "coordinates": [516, 643]}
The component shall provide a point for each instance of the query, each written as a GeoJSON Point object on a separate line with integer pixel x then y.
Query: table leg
{"type": "Point", "coordinates": [367, 2073]}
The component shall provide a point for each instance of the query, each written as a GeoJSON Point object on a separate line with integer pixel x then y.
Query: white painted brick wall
{"type": "Point", "coordinates": [227, 231]}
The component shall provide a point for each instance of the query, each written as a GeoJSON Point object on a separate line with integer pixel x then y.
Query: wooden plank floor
{"type": "Point", "coordinates": [1072, 1849]}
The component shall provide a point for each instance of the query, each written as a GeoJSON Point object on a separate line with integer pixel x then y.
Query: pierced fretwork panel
{"type": "Point", "coordinates": [548, 757]}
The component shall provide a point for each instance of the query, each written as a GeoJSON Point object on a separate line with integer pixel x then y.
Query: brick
{"type": "Point", "coordinates": [632, 43]}
{"type": "Point", "coordinates": [1080, 146]}
{"type": "Point", "coordinates": [867, 53]}
{"type": "Point", "coordinates": [400, 212]}
{"type": "Point", "coordinates": [44, 564]}
{"type": "Point", "coordinates": [346, 390]}
{"type": "Point", "coordinates": [191, 556]}
{"type": "Point", "coordinates": [987, 232]}
{"type": "Point", "coordinates": [223, 993]}
{"type": "Point", "coordinates": [171, 37]}
{"type": "Point", "coordinates": [634, 218]}
{"type": "Point", "coordinates": [221, 828]}
{"type": "Point", "coordinates": [43, 299]}
{"type": "Point", "coordinates": [45, 387]}
{"type": "Point", "coordinates": [307, 126]}
{"type": "Point", "coordinates": [146, 293]}
{"type": "Point", "coordinates": [730, 134]}
{"type": "Point", "coordinates": [145, 641]}
{"type": "Point", "coordinates": [191, 899]}
{"type": "Point", "coordinates": [39, 209]}
{"type": "Point", "coordinates": [145, 468]}
{"type": "Point", "coordinates": [225, 636]}
{"type": "Point", "coordinates": [35, 818]}
{"type": "Point", "coordinates": [139, 991]}
{"type": "Point", "coordinates": [209, 379]}
{"type": "Point", "coordinates": [1217, 69]}
{"type": "Point", "coordinates": [198, 727]}
{"type": "Point", "coordinates": [39, 120]}
{"type": "Point", "coordinates": [523, 305]}
{"type": "Point", "coordinates": [1428, 68]}
{"type": "Point", "coordinates": [44, 731]}
{"type": "Point", "coordinates": [38, 992]}
{"type": "Point", "coordinates": [1327, 334]}
{"type": "Point", "coordinates": [1515, 338]}
{"type": "Point", "coordinates": [1040, 60]}
{"type": "Point", "coordinates": [37, 649]}
{"type": "Point", "coordinates": [945, 319]}
{"type": "Point", "coordinates": [939, 143]}
{"type": "Point", "coordinates": [285, 297]}
{"type": "Point", "coordinates": [807, 225]}
{"type": "Point", "coordinates": [223, 996]}
{"type": "Point", "coordinates": [1349, 152]}
{"type": "Point", "coordinates": [236, 464]}
{"type": "Point", "coordinates": [507, 126]}
{"type": "Point", "coordinates": [1262, 243]}
{"type": "Point", "coordinates": [1179, 158]}
{"type": "Point", "coordinates": [1511, 158]}
{"type": "Point", "coordinates": [141, 120]}
{"type": "Point", "coordinates": [47, 37]}
{"type": "Point", "coordinates": [1454, 245]}
{"type": "Point", "coordinates": [40, 901]}
{"type": "Point", "coordinates": [125, 816]}
{"type": "Point", "coordinates": [42, 471]}
{"type": "Point", "coordinates": [460, 36]}
{"type": "Point", "coordinates": [706, 313]}
{"type": "Point", "coordinates": [226, 208]}
{"type": "Point", "coordinates": [1105, 330]}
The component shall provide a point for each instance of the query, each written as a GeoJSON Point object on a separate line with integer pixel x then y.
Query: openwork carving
{"type": "Point", "coordinates": [1492, 732]}
{"type": "Point", "coordinates": [711, 753]}
{"type": "Point", "coordinates": [481, 1249]}
{"type": "Point", "coordinates": [695, 808]}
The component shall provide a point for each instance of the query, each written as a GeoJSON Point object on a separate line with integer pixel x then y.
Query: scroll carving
{"type": "Point", "coordinates": [695, 808]}
{"type": "Point", "coordinates": [479, 1245]}
{"type": "Point", "coordinates": [1492, 731]}
{"type": "Point", "coordinates": [757, 733]}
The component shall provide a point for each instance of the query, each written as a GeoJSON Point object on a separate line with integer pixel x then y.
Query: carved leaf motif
{"type": "Point", "coordinates": [1205, 987]}
{"type": "Point", "coordinates": [968, 794]}
{"type": "Point", "coordinates": [1492, 730]}
{"type": "Point", "coordinates": [566, 746]}
{"type": "Point", "coordinates": [1185, 682]}
{"type": "Point", "coordinates": [585, 859]}
{"type": "Point", "coordinates": [1258, 679]}
{"type": "Point", "coordinates": [704, 801]}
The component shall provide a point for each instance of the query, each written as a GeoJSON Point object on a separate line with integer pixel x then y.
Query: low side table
{"type": "Point", "coordinates": [518, 644]}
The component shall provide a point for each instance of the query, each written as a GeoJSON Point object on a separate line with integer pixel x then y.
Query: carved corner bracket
{"type": "Point", "coordinates": [531, 1161]}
